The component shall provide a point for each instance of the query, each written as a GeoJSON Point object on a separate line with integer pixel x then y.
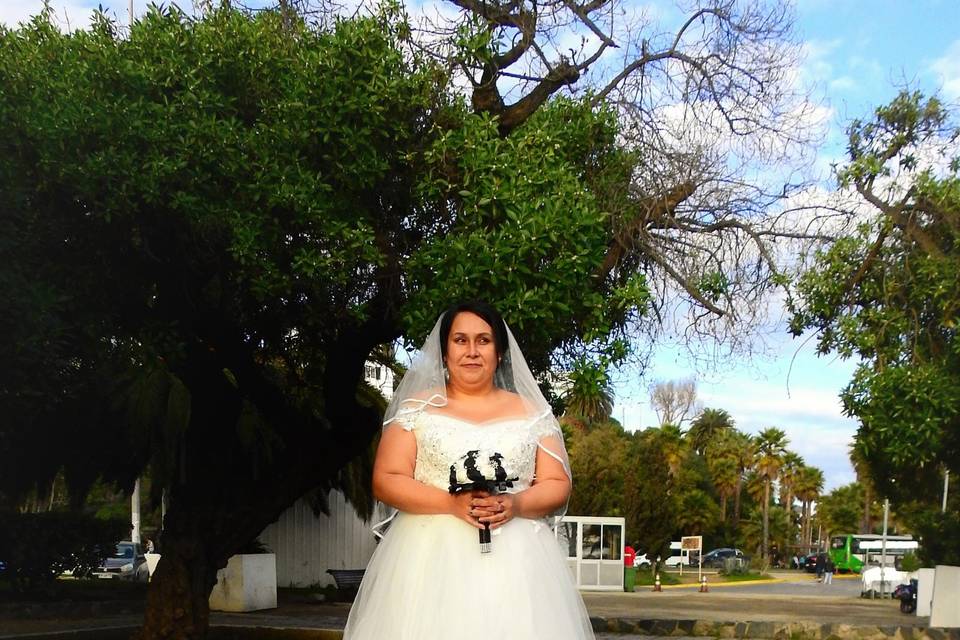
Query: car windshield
{"type": "Point", "coordinates": [124, 551]}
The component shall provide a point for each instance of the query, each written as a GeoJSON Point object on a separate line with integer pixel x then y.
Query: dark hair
{"type": "Point", "coordinates": [490, 315]}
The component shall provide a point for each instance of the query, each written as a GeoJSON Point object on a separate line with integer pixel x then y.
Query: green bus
{"type": "Point", "coordinates": [851, 551]}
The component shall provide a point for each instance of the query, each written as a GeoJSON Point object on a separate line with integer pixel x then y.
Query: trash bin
{"type": "Point", "coordinates": [629, 578]}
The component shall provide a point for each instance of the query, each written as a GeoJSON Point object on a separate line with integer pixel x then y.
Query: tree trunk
{"type": "Point", "coordinates": [766, 520]}
{"type": "Point", "coordinates": [723, 508]}
{"type": "Point", "coordinates": [178, 606]}
{"type": "Point", "coordinates": [867, 525]}
{"type": "Point", "coordinates": [803, 525]}
{"type": "Point", "coordinates": [736, 502]}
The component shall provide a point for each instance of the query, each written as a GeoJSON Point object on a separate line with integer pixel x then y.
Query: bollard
{"type": "Point", "coordinates": [656, 583]}
{"type": "Point", "coordinates": [703, 584]}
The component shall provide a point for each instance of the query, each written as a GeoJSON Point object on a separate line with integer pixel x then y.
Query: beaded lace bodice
{"type": "Point", "coordinates": [444, 441]}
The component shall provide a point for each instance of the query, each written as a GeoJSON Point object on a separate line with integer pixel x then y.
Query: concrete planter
{"type": "Point", "coordinates": [247, 583]}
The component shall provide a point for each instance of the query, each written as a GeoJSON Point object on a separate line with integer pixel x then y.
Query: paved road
{"type": "Point", "coordinates": [795, 597]}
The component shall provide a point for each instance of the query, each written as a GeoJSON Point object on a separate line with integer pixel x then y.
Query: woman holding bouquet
{"type": "Point", "coordinates": [469, 443]}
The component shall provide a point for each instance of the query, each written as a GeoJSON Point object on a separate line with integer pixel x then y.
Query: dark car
{"type": "Point", "coordinates": [718, 557]}
{"type": "Point", "coordinates": [810, 564]}
{"type": "Point", "coordinates": [126, 563]}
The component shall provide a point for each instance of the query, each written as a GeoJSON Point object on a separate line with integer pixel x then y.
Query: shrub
{"type": "Point", "coordinates": [735, 567]}
{"type": "Point", "coordinates": [37, 547]}
{"type": "Point", "coordinates": [910, 563]}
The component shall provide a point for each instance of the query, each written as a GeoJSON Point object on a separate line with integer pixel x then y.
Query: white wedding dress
{"type": "Point", "coordinates": [428, 580]}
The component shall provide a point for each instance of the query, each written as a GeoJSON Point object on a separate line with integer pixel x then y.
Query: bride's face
{"type": "Point", "coordinates": [471, 352]}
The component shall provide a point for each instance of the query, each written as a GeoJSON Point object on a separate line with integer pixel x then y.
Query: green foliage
{"type": "Point", "coordinates": [529, 231]}
{"type": "Point", "coordinates": [910, 563]}
{"type": "Point", "coordinates": [938, 533]}
{"type": "Point", "coordinates": [708, 427]}
{"type": "Point", "coordinates": [196, 216]}
{"type": "Point", "coordinates": [887, 294]}
{"type": "Point", "coordinates": [937, 530]}
{"type": "Point", "coordinates": [750, 535]}
{"type": "Point", "coordinates": [37, 547]}
{"type": "Point", "coordinates": [841, 510]}
{"type": "Point", "coordinates": [598, 460]}
{"type": "Point", "coordinates": [698, 513]}
{"type": "Point", "coordinates": [590, 396]}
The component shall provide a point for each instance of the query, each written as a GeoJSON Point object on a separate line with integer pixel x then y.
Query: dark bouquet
{"type": "Point", "coordinates": [473, 472]}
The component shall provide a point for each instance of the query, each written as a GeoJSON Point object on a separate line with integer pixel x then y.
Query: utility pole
{"type": "Point", "coordinates": [946, 487]}
{"type": "Point", "coordinates": [883, 549]}
{"type": "Point", "coordinates": [135, 512]}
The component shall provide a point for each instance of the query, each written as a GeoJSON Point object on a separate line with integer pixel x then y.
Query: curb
{"type": "Point", "coordinates": [769, 630]}
{"type": "Point", "coordinates": [647, 627]}
{"type": "Point", "coordinates": [217, 632]}
{"type": "Point", "coordinates": [711, 585]}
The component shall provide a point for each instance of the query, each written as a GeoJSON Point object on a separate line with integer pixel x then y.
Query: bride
{"type": "Point", "coordinates": [470, 451]}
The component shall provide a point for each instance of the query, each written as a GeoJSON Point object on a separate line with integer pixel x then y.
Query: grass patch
{"type": "Point", "coordinates": [745, 577]}
{"type": "Point", "coordinates": [76, 590]}
{"type": "Point", "coordinates": [645, 578]}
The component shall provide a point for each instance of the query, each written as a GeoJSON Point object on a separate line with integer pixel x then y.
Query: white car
{"type": "Point", "coordinates": [675, 561]}
{"type": "Point", "coordinates": [641, 561]}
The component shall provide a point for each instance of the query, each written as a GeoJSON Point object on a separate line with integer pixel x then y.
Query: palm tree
{"type": "Point", "coordinates": [698, 511]}
{"type": "Point", "coordinates": [590, 397]}
{"type": "Point", "coordinates": [752, 534]}
{"type": "Point", "coordinates": [808, 487]}
{"type": "Point", "coordinates": [726, 479]}
{"type": "Point", "coordinates": [786, 479]}
{"type": "Point", "coordinates": [708, 426]}
{"type": "Point", "coordinates": [792, 463]}
{"type": "Point", "coordinates": [771, 445]}
{"type": "Point", "coordinates": [673, 446]}
{"type": "Point", "coordinates": [737, 447]}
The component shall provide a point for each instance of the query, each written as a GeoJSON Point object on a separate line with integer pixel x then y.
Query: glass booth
{"type": "Point", "coordinates": [594, 547]}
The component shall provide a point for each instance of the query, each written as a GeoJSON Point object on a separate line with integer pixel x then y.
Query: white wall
{"type": "Point", "coordinates": [307, 545]}
{"type": "Point", "coordinates": [946, 594]}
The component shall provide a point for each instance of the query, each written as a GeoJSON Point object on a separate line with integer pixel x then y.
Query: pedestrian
{"type": "Point", "coordinates": [819, 566]}
{"type": "Point", "coordinates": [828, 568]}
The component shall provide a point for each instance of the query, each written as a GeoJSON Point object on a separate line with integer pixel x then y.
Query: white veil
{"type": "Point", "coordinates": [424, 386]}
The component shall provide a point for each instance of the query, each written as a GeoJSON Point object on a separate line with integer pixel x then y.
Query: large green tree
{"type": "Point", "coordinates": [210, 223]}
{"type": "Point", "coordinates": [886, 293]}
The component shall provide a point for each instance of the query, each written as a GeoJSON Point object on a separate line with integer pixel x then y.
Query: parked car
{"type": "Point", "coordinates": [676, 561]}
{"type": "Point", "coordinates": [126, 563]}
{"type": "Point", "coordinates": [718, 557]}
{"type": "Point", "coordinates": [642, 561]}
{"type": "Point", "coordinates": [810, 563]}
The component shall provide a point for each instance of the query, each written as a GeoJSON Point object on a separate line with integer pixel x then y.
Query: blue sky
{"type": "Point", "coordinates": [858, 53]}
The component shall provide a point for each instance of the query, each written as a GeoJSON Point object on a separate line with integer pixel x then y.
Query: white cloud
{"type": "Point", "coordinates": [68, 14]}
{"type": "Point", "coordinates": [843, 83]}
{"type": "Point", "coordinates": [947, 71]}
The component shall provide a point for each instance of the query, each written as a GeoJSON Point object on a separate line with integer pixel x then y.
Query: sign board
{"type": "Point", "coordinates": [691, 543]}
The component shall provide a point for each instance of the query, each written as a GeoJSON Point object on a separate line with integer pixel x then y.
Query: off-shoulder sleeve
{"type": "Point", "coordinates": [546, 426]}
{"type": "Point", "coordinates": [407, 420]}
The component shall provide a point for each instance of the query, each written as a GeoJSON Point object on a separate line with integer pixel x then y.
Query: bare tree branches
{"type": "Point", "coordinates": [674, 401]}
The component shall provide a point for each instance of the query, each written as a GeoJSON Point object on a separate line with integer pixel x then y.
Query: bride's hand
{"type": "Point", "coordinates": [464, 509]}
{"type": "Point", "coordinates": [496, 510]}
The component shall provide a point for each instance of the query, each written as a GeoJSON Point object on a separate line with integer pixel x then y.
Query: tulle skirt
{"type": "Point", "coordinates": [428, 580]}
